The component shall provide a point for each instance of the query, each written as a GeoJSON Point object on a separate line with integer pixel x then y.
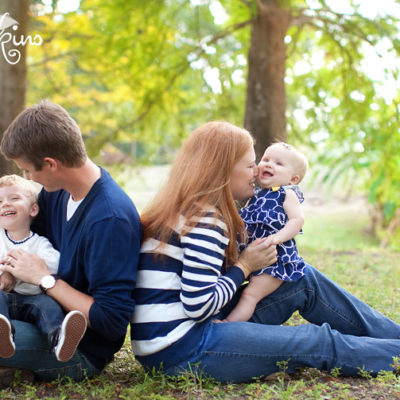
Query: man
{"type": "Point", "coordinates": [96, 228]}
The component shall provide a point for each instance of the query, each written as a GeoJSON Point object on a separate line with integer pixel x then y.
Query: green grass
{"type": "Point", "coordinates": [338, 245]}
{"type": "Point", "coordinates": [336, 232]}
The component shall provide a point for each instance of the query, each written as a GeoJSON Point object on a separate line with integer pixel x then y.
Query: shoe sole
{"type": "Point", "coordinates": [72, 331]}
{"type": "Point", "coordinates": [7, 347]}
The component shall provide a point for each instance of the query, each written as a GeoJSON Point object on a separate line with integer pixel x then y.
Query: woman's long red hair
{"type": "Point", "coordinates": [200, 177]}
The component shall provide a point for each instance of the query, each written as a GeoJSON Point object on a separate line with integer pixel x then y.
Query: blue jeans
{"type": "Point", "coordinates": [33, 352]}
{"type": "Point", "coordinates": [33, 342]}
{"type": "Point", "coordinates": [343, 333]}
{"type": "Point", "coordinates": [41, 310]}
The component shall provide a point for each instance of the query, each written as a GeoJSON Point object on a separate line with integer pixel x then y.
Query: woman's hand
{"type": "Point", "coordinates": [260, 253]}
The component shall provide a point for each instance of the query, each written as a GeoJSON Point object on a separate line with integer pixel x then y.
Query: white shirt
{"type": "Point", "coordinates": [72, 206]}
{"type": "Point", "coordinates": [34, 244]}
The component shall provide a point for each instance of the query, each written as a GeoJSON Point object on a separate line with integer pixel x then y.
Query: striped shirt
{"type": "Point", "coordinates": [180, 285]}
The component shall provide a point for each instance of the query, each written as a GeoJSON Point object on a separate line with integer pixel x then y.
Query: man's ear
{"type": "Point", "coordinates": [52, 163]}
{"type": "Point", "coordinates": [34, 210]}
{"type": "Point", "coordinates": [295, 179]}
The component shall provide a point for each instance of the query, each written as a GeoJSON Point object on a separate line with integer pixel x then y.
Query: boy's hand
{"type": "Point", "coordinates": [7, 282]}
{"type": "Point", "coordinates": [27, 267]}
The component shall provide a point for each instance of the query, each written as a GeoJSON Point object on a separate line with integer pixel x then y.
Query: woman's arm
{"type": "Point", "coordinates": [205, 288]}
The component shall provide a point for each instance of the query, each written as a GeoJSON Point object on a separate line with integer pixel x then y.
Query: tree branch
{"type": "Point", "coordinates": [182, 67]}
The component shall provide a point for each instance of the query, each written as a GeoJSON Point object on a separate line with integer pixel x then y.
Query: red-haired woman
{"type": "Point", "coordinates": [190, 274]}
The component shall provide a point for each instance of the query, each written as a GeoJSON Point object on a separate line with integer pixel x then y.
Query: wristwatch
{"type": "Point", "coordinates": [47, 282]}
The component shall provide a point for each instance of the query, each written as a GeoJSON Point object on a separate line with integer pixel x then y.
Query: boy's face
{"type": "Point", "coordinates": [276, 167]}
{"type": "Point", "coordinates": [16, 209]}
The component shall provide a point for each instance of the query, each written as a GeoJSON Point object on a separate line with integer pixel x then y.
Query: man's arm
{"type": "Point", "coordinates": [30, 268]}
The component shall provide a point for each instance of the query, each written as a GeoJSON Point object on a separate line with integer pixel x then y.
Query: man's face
{"type": "Point", "coordinates": [43, 176]}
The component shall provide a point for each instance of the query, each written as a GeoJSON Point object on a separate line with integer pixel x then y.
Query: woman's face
{"type": "Point", "coordinates": [244, 176]}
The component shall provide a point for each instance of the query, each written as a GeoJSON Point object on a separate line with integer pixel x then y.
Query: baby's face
{"type": "Point", "coordinates": [16, 209]}
{"type": "Point", "coordinates": [276, 167]}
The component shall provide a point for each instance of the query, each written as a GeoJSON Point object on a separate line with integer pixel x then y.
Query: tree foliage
{"type": "Point", "coordinates": [149, 72]}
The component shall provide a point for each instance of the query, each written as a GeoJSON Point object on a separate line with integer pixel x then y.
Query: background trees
{"type": "Point", "coordinates": [142, 75]}
{"type": "Point", "coordinates": [12, 76]}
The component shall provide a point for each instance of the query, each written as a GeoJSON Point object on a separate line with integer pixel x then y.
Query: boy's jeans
{"type": "Point", "coordinates": [40, 310]}
{"type": "Point", "coordinates": [32, 349]}
{"type": "Point", "coordinates": [343, 333]}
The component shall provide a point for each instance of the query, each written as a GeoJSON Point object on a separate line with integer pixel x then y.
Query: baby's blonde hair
{"type": "Point", "coordinates": [27, 187]}
{"type": "Point", "coordinates": [301, 162]}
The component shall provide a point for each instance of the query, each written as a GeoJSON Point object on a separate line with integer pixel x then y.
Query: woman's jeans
{"type": "Point", "coordinates": [33, 350]}
{"type": "Point", "coordinates": [344, 333]}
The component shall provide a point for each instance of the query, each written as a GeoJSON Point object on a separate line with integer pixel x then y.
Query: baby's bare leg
{"type": "Point", "coordinates": [259, 287]}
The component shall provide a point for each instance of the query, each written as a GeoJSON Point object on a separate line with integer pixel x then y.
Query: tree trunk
{"type": "Point", "coordinates": [12, 76]}
{"type": "Point", "coordinates": [266, 99]}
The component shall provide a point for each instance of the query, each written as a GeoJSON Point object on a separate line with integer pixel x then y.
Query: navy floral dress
{"type": "Point", "coordinates": [263, 216]}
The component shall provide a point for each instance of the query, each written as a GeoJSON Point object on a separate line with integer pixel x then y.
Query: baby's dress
{"type": "Point", "coordinates": [264, 215]}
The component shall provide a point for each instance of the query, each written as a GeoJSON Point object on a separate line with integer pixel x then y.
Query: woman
{"type": "Point", "coordinates": [190, 274]}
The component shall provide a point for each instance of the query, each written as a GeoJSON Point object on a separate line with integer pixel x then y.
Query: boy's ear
{"type": "Point", "coordinates": [295, 179]}
{"type": "Point", "coordinates": [34, 210]}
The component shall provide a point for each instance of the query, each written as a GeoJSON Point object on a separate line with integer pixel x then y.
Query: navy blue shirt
{"type": "Point", "coordinates": [99, 249]}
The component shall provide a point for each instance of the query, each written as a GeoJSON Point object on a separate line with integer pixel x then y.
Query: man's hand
{"type": "Point", "coordinates": [7, 282]}
{"type": "Point", "coordinates": [25, 266]}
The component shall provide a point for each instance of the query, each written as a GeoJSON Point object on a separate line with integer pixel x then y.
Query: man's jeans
{"type": "Point", "coordinates": [33, 350]}
{"type": "Point", "coordinates": [343, 333]}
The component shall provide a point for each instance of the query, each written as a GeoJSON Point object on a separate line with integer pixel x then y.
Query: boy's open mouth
{"type": "Point", "coordinates": [8, 213]}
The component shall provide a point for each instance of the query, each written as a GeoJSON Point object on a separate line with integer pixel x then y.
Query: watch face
{"type": "Point", "coordinates": [48, 281]}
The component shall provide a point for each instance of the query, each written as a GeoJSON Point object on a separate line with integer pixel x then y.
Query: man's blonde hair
{"type": "Point", "coordinates": [44, 130]}
{"type": "Point", "coordinates": [27, 187]}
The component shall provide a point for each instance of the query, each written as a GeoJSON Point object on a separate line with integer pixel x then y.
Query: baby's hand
{"type": "Point", "coordinates": [274, 239]}
{"type": "Point", "coordinates": [7, 282]}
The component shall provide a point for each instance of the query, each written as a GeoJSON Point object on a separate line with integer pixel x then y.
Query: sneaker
{"type": "Point", "coordinates": [7, 346]}
{"type": "Point", "coordinates": [70, 334]}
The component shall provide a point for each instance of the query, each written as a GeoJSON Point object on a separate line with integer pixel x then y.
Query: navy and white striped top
{"type": "Point", "coordinates": [180, 285]}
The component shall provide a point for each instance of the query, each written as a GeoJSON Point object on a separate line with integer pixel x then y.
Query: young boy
{"type": "Point", "coordinates": [274, 211]}
{"type": "Point", "coordinates": [24, 301]}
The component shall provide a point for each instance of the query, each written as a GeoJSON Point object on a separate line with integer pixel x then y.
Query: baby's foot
{"type": "Point", "coordinates": [70, 334]}
{"type": "Point", "coordinates": [7, 346]}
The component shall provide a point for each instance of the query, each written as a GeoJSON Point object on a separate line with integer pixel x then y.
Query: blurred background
{"type": "Point", "coordinates": [139, 76]}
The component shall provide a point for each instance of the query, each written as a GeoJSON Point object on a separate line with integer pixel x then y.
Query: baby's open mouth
{"type": "Point", "coordinates": [266, 174]}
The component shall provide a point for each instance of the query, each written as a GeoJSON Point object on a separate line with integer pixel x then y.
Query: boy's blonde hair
{"type": "Point", "coordinates": [27, 187]}
{"type": "Point", "coordinates": [300, 160]}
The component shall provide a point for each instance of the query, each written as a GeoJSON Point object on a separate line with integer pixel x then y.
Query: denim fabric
{"type": "Point", "coordinates": [343, 333]}
{"type": "Point", "coordinates": [41, 310]}
{"type": "Point", "coordinates": [34, 353]}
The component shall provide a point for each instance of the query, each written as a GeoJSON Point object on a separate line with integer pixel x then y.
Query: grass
{"type": "Point", "coordinates": [335, 241]}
